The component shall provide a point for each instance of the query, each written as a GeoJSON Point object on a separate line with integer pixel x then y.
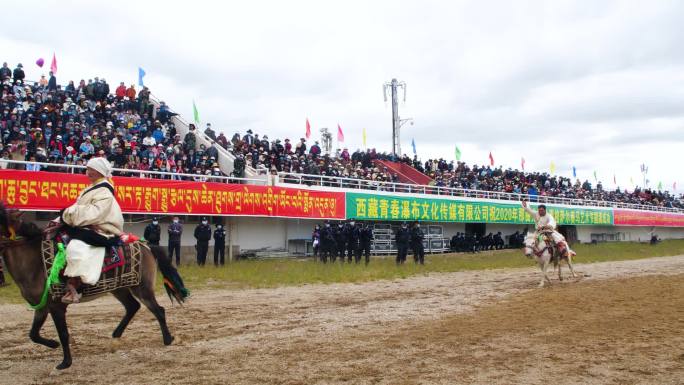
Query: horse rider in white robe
{"type": "Point", "coordinates": [545, 224]}
{"type": "Point", "coordinates": [93, 223]}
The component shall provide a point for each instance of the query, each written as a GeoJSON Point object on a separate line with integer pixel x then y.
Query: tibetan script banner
{"type": "Point", "coordinates": [647, 218]}
{"type": "Point", "coordinates": [54, 191]}
{"type": "Point", "coordinates": [384, 207]}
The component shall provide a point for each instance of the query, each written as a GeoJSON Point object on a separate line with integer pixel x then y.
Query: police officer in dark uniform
{"type": "Point", "coordinates": [498, 241]}
{"type": "Point", "coordinates": [353, 236]}
{"type": "Point", "coordinates": [153, 232]}
{"type": "Point", "coordinates": [417, 243]}
{"type": "Point", "coordinates": [366, 237]}
{"type": "Point", "coordinates": [219, 245]}
{"type": "Point", "coordinates": [402, 239]}
{"type": "Point", "coordinates": [203, 235]}
{"type": "Point", "coordinates": [327, 243]}
{"type": "Point", "coordinates": [340, 242]}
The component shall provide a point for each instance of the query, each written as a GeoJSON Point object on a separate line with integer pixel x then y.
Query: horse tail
{"type": "Point", "coordinates": [173, 283]}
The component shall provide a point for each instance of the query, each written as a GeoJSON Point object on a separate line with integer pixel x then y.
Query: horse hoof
{"type": "Point", "coordinates": [168, 341]}
{"type": "Point", "coordinates": [52, 344]}
{"type": "Point", "coordinates": [63, 365]}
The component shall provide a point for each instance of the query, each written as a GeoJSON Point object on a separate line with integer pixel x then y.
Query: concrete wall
{"type": "Point", "coordinates": [273, 234]}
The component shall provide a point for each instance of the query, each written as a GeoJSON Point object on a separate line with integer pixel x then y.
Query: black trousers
{"type": "Point", "coordinates": [418, 252]}
{"type": "Point", "coordinates": [202, 249]}
{"type": "Point", "coordinates": [327, 251]}
{"type": "Point", "coordinates": [351, 251]}
{"type": "Point", "coordinates": [174, 247]}
{"type": "Point", "coordinates": [401, 253]}
{"type": "Point", "coordinates": [219, 250]}
{"type": "Point", "coordinates": [365, 249]}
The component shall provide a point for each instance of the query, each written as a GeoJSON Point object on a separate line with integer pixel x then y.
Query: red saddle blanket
{"type": "Point", "coordinates": [114, 257]}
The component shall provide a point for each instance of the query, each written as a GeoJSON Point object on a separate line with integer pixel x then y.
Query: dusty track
{"type": "Point", "coordinates": [468, 327]}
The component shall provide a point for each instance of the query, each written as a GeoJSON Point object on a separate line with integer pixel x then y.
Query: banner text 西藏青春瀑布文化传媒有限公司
{"type": "Point", "coordinates": [409, 208]}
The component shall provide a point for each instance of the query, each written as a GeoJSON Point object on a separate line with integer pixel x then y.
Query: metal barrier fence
{"type": "Point", "coordinates": [78, 169]}
{"type": "Point", "coordinates": [360, 184]}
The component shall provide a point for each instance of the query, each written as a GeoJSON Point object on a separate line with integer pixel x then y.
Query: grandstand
{"type": "Point", "coordinates": [56, 129]}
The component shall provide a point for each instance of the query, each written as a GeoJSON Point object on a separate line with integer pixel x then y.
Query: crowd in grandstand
{"type": "Point", "coordinates": [42, 122]}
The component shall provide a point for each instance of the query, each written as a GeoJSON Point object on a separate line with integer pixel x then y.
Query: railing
{"type": "Point", "coordinates": [361, 184]}
{"type": "Point", "coordinates": [78, 169]}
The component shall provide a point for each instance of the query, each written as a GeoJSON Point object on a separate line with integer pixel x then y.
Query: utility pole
{"type": "Point", "coordinates": [396, 122]}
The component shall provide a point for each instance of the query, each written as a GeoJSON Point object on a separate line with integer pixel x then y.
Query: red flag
{"type": "Point", "coordinates": [308, 129]}
{"type": "Point", "coordinates": [340, 135]}
{"type": "Point", "coordinates": [53, 66]}
{"type": "Point", "coordinates": [491, 159]}
{"type": "Point", "coordinates": [522, 163]}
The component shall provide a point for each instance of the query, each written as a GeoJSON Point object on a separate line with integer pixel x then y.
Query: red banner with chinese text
{"type": "Point", "coordinates": [28, 190]}
{"type": "Point", "coordinates": [647, 218]}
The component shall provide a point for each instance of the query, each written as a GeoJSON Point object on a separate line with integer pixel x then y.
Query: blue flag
{"type": "Point", "coordinates": [141, 74]}
{"type": "Point", "coordinates": [574, 172]}
{"type": "Point", "coordinates": [413, 144]}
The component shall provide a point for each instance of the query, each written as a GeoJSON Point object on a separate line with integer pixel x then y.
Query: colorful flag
{"type": "Point", "coordinates": [614, 179]}
{"type": "Point", "coordinates": [574, 172]}
{"type": "Point", "coordinates": [631, 180]}
{"type": "Point", "coordinates": [522, 163]}
{"type": "Point", "coordinates": [457, 153]}
{"type": "Point", "coordinates": [363, 136]}
{"type": "Point", "coordinates": [491, 159]}
{"type": "Point", "coordinates": [308, 129]}
{"type": "Point", "coordinates": [53, 66]}
{"type": "Point", "coordinates": [552, 168]}
{"type": "Point", "coordinates": [195, 113]}
{"type": "Point", "coordinates": [413, 144]}
{"type": "Point", "coordinates": [340, 135]}
{"type": "Point", "coordinates": [595, 177]}
{"type": "Point", "coordinates": [141, 75]}
{"type": "Point", "coordinates": [660, 186]}
{"type": "Point", "coordinates": [674, 186]}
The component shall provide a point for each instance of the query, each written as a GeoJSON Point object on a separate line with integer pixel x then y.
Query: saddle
{"type": "Point", "coordinates": [120, 269]}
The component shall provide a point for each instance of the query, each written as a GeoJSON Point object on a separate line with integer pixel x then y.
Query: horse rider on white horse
{"type": "Point", "coordinates": [545, 225]}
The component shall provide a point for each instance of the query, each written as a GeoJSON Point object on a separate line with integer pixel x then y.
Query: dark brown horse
{"type": "Point", "coordinates": [24, 263]}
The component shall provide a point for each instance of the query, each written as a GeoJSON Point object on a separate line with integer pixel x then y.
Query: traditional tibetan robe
{"type": "Point", "coordinates": [547, 223]}
{"type": "Point", "coordinates": [95, 209]}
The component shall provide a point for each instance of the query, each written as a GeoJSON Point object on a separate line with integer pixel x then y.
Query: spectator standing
{"type": "Point", "coordinates": [316, 241]}
{"type": "Point", "coordinates": [52, 83]}
{"type": "Point", "coordinates": [340, 242]}
{"type": "Point", "coordinates": [366, 237]}
{"type": "Point", "coordinates": [18, 74]}
{"type": "Point", "coordinates": [209, 132]}
{"type": "Point", "coordinates": [327, 242]}
{"type": "Point", "coordinates": [219, 245]}
{"type": "Point", "coordinates": [175, 231]}
{"type": "Point", "coordinates": [5, 72]}
{"type": "Point", "coordinates": [417, 237]}
{"type": "Point", "coordinates": [202, 235]}
{"type": "Point", "coordinates": [353, 235]}
{"type": "Point", "coordinates": [402, 239]}
{"type": "Point", "coordinates": [153, 232]}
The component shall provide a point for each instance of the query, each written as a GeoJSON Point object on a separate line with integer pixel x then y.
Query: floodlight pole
{"type": "Point", "coordinates": [396, 122]}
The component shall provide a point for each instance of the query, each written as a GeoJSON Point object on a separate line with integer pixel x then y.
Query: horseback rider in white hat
{"type": "Point", "coordinates": [93, 223]}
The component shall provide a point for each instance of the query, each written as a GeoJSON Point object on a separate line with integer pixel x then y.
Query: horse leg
{"type": "Point", "coordinates": [146, 296]}
{"type": "Point", "coordinates": [131, 304]}
{"type": "Point", "coordinates": [559, 261]}
{"type": "Point", "coordinates": [39, 317]}
{"type": "Point", "coordinates": [543, 265]}
{"type": "Point", "coordinates": [58, 313]}
{"type": "Point", "coordinates": [572, 271]}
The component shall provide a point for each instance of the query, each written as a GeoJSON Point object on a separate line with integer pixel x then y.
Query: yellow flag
{"type": "Point", "coordinates": [552, 167]}
{"type": "Point", "coordinates": [364, 136]}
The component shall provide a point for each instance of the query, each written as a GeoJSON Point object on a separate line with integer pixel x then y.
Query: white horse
{"type": "Point", "coordinates": [544, 253]}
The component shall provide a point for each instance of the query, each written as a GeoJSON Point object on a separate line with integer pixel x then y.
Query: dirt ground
{"type": "Point", "coordinates": [619, 323]}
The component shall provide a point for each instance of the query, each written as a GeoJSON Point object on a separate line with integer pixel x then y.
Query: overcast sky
{"type": "Point", "coordinates": [598, 85]}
